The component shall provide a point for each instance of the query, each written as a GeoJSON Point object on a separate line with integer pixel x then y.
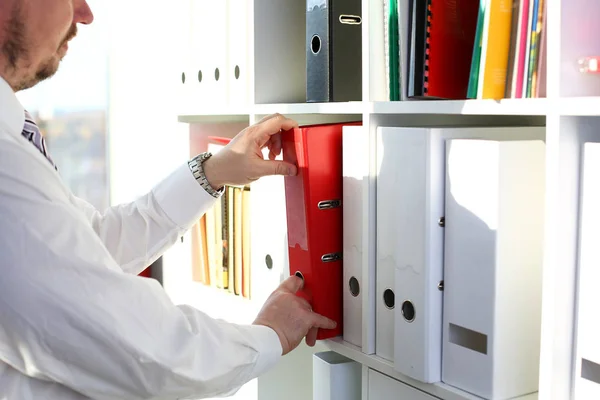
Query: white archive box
{"type": "Point", "coordinates": [355, 192]}
{"type": "Point", "coordinates": [494, 228]}
{"type": "Point", "coordinates": [410, 241]}
{"type": "Point", "coordinates": [208, 83]}
{"type": "Point", "coordinates": [587, 354]}
{"type": "Point", "coordinates": [182, 79]}
{"type": "Point", "coordinates": [336, 377]}
{"type": "Point", "coordinates": [237, 72]}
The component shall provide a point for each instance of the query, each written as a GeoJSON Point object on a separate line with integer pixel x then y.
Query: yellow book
{"type": "Point", "coordinates": [200, 267]}
{"type": "Point", "coordinates": [237, 240]}
{"type": "Point", "coordinates": [497, 49]}
{"type": "Point", "coordinates": [246, 242]}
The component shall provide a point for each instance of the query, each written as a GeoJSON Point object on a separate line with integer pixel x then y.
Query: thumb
{"type": "Point", "coordinates": [293, 284]}
{"type": "Point", "coordinates": [276, 167]}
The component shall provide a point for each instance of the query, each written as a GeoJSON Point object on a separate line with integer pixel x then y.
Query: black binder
{"type": "Point", "coordinates": [333, 50]}
{"type": "Point", "coordinates": [418, 47]}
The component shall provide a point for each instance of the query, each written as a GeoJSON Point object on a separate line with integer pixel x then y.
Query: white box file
{"type": "Point", "coordinates": [587, 354]}
{"type": "Point", "coordinates": [208, 83]}
{"type": "Point", "coordinates": [336, 377]}
{"type": "Point", "coordinates": [410, 203]}
{"type": "Point", "coordinates": [410, 240]}
{"type": "Point", "coordinates": [237, 72]}
{"type": "Point", "coordinates": [355, 187]}
{"type": "Point", "coordinates": [493, 266]}
{"type": "Point", "coordinates": [182, 78]}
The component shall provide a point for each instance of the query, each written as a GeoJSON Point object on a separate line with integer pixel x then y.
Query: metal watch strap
{"type": "Point", "coordinates": [195, 165]}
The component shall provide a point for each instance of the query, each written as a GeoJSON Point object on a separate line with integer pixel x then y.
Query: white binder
{"type": "Point", "coordinates": [269, 244]}
{"type": "Point", "coordinates": [587, 355]}
{"type": "Point", "coordinates": [385, 301]}
{"type": "Point", "coordinates": [238, 42]}
{"type": "Point", "coordinates": [208, 58]}
{"type": "Point", "coordinates": [493, 266]}
{"type": "Point", "coordinates": [355, 187]}
{"type": "Point", "coordinates": [410, 205]}
{"type": "Point", "coordinates": [182, 73]}
{"type": "Point", "coordinates": [336, 377]}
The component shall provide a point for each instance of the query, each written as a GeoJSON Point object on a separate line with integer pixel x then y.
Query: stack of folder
{"type": "Point", "coordinates": [221, 240]}
{"type": "Point", "coordinates": [213, 67]}
{"type": "Point", "coordinates": [460, 245]}
{"type": "Point", "coordinates": [478, 49]}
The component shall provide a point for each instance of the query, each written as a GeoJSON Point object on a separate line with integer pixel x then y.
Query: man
{"type": "Point", "coordinates": [75, 320]}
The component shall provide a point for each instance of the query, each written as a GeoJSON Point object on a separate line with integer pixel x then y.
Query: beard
{"type": "Point", "coordinates": [15, 49]}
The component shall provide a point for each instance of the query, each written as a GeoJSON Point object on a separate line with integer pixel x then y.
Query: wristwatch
{"type": "Point", "coordinates": [195, 165]}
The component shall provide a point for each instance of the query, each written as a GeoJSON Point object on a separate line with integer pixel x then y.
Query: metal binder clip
{"type": "Point", "coordinates": [329, 204]}
{"type": "Point", "coordinates": [331, 257]}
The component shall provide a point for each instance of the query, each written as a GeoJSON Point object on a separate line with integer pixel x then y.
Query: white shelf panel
{"type": "Point", "coordinates": [303, 113]}
{"type": "Point", "coordinates": [463, 107]}
{"type": "Point", "coordinates": [220, 114]}
{"type": "Point", "coordinates": [353, 107]}
{"type": "Point", "coordinates": [439, 390]}
{"type": "Point", "coordinates": [579, 106]}
{"type": "Point", "coordinates": [314, 113]}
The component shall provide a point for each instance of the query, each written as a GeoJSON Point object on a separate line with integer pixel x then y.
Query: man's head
{"type": "Point", "coordinates": [34, 36]}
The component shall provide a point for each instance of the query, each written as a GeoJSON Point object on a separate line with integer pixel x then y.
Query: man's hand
{"type": "Point", "coordinates": [242, 162]}
{"type": "Point", "coordinates": [291, 316]}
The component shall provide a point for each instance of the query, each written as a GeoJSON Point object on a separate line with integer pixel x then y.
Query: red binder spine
{"type": "Point", "coordinates": [314, 217]}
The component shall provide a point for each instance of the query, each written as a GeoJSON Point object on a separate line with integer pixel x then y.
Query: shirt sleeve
{"type": "Point", "coordinates": [136, 234]}
{"type": "Point", "coordinates": [69, 314]}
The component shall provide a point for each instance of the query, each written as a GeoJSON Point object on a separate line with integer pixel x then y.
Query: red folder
{"type": "Point", "coordinates": [314, 217]}
{"type": "Point", "coordinates": [452, 26]}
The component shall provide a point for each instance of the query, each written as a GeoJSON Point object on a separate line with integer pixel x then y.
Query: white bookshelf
{"type": "Point", "coordinates": [276, 63]}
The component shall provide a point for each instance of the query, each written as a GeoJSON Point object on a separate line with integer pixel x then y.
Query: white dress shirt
{"type": "Point", "coordinates": [75, 320]}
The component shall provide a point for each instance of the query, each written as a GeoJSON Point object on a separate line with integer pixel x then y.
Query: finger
{"type": "Point", "coordinates": [275, 145]}
{"type": "Point", "coordinates": [292, 284]}
{"type": "Point", "coordinates": [311, 337]}
{"type": "Point", "coordinates": [319, 321]}
{"type": "Point", "coordinates": [270, 127]}
{"type": "Point", "coordinates": [275, 167]}
{"type": "Point", "coordinates": [267, 117]}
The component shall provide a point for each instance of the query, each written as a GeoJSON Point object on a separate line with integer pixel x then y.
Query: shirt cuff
{"type": "Point", "coordinates": [182, 198]}
{"type": "Point", "coordinates": [268, 346]}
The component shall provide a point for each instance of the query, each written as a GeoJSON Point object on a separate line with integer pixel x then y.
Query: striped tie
{"type": "Point", "coordinates": [33, 134]}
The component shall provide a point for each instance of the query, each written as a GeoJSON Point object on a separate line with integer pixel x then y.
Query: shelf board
{"type": "Point", "coordinates": [314, 113]}
{"type": "Point", "coordinates": [379, 364]}
{"type": "Point", "coordinates": [463, 107]}
{"type": "Point", "coordinates": [579, 106]}
{"type": "Point", "coordinates": [215, 114]}
{"type": "Point", "coordinates": [343, 108]}
{"type": "Point", "coordinates": [303, 113]}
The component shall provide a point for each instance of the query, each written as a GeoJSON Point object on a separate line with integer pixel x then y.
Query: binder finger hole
{"type": "Point", "coordinates": [236, 72]}
{"type": "Point", "coordinates": [408, 311]}
{"type": "Point", "coordinates": [217, 74]}
{"type": "Point", "coordinates": [389, 299]}
{"type": "Point", "coordinates": [200, 76]}
{"type": "Point", "coordinates": [315, 44]}
{"type": "Point", "coordinates": [269, 261]}
{"type": "Point", "coordinates": [183, 77]}
{"type": "Point", "coordinates": [299, 275]}
{"type": "Point", "coordinates": [354, 286]}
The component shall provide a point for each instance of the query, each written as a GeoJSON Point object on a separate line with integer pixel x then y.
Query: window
{"type": "Point", "coordinates": [71, 110]}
